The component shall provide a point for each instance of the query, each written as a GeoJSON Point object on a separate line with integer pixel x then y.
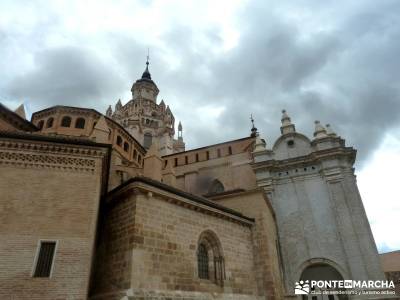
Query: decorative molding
{"type": "Point", "coordinates": [306, 161]}
{"type": "Point", "coordinates": [49, 156]}
{"type": "Point", "coordinates": [47, 161]}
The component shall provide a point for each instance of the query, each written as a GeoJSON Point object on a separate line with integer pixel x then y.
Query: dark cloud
{"type": "Point", "coordinates": [70, 76]}
{"type": "Point", "coordinates": [346, 76]}
{"type": "Point", "coordinates": [336, 62]}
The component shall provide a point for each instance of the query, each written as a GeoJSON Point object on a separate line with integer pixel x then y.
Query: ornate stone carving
{"type": "Point", "coordinates": [51, 156]}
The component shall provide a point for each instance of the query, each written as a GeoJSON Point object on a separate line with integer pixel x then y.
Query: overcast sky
{"type": "Point", "coordinates": [216, 62]}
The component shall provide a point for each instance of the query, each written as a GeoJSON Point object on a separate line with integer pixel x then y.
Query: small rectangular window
{"type": "Point", "coordinates": [208, 155]}
{"type": "Point", "coordinates": [176, 161]}
{"type": "Point", "coordinates": [44, 261]}
{"type": "Point", "coordinates": [186, 160]}
{"type": "Point", "coordinates": [197, 157]}
{"type": "Point", "coordinates": [219, 152]}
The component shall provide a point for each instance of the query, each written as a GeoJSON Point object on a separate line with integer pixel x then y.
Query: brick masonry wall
{"type": "Point", "coordinates": [159, 254]}
{"type": "Point", "coordinates": [47, 195]}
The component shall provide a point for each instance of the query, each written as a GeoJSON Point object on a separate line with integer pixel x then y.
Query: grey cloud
{"type": "Point", "coordinates": [69, 76]}
{"type": "Point", "coordinates": [274, 67]}
{"type": "Point", "coordinates": [345, 73]}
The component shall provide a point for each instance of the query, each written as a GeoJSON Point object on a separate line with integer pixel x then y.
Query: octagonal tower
{"type": "Point", "coordinates": [147, 121]}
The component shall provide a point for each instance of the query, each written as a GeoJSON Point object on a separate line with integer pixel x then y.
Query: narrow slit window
{"type": "Point", "coordinates": [126, 147]}
{"type": "Point", "coordinates": [45, 258]}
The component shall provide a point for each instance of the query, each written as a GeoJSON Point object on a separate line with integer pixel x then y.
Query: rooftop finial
{"type": "Point", "coordinates": [253, 128]}
{"type": "Point", "coordinates": [287, 126]}
{"type": "Point", "coordinates": [146, 73]}
{"type": "Point", "coordinates": [329, 130]}
{"type": "Point", "coordinates": [320, 131]}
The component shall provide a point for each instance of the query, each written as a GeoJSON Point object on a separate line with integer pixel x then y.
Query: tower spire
{"type": "Point", "coordinates": [253, 128]}
{"type": "Point", "coordinates": [146, 73]}
{"type": "Point", "coordinates": [180, 130]}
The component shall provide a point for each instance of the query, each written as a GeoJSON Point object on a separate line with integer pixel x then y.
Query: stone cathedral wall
{"type": "Point", "coordinates": [149, 247]}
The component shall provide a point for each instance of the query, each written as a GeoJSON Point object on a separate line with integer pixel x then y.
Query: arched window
{"type": "Point", "coordinates": [126, 146]}
{"type": "Point", "coordinates": [210, 261]}
{"type": "Point", "coordinates": [202, 261]}
{"type": "Point", "coordinates": [147, 141]}
{"type": "Point", "coordinates": [80, 123]}
{"type": "Point", "coordinates": [40, 124]}
{"type": "Point", "coordinates": [216, 187]}
{"type": "Point", "coordinates": [66, 121]}
{"type": "Point", "coordinates": [119, 140]}
{"type": "Point", "coordinates": [49, 123]}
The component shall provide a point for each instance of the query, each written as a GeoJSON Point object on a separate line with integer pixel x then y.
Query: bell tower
{"type": "Point", "coordinates": [146, 120]}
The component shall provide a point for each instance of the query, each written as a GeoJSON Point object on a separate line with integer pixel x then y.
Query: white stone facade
{"type": "Point", "coordinates": [320, 216]}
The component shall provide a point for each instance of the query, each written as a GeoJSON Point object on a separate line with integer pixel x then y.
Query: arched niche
{"type": "Point", "coordinates": [216, 187]}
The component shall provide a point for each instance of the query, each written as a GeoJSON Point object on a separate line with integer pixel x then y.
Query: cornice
{"type": "Point", "coordinates": [145, 186]}
{"type": "Point", "coordinates": [312, 158]}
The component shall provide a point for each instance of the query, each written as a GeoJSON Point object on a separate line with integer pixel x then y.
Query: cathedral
{"type": "Point", "coordinates": [112, 206]}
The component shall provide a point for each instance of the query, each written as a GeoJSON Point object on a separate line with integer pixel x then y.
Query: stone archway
{"type": "Point", "coordinates": [321, 271]}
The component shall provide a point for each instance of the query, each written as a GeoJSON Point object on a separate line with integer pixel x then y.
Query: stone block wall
{"type": "Point", "coordinates": [265, 239]}
{"type": "Point", "coordinates": [159, 255]}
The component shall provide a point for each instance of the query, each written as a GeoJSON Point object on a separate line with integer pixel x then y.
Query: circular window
{"type": "Point", "coordinates": [290, 143]}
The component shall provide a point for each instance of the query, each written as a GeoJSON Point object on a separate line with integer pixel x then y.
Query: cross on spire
{"type": "Point", "coordinates": [146, 73]}
{"type": "Point", "coordinates": [253, 128]}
